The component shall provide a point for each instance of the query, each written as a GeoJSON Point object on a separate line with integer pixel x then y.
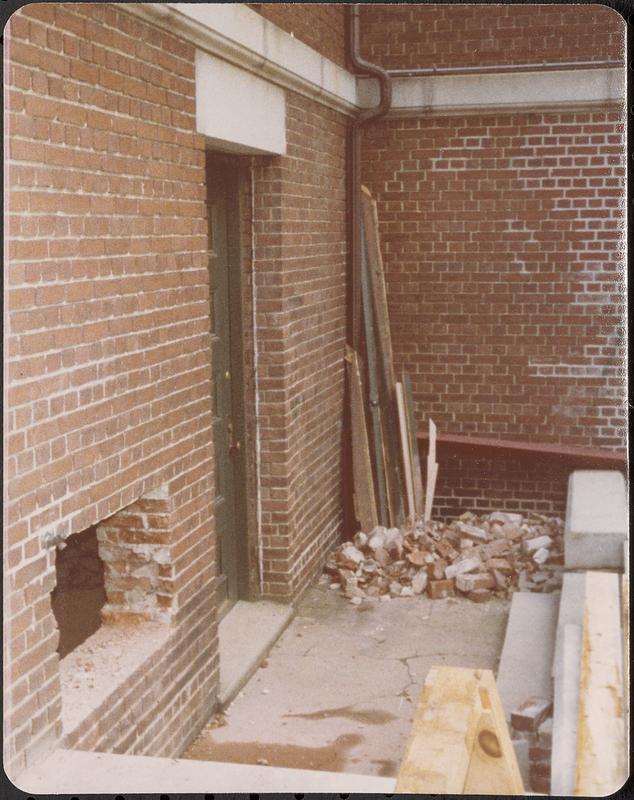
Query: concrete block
{"type": "Point", "coordinates": [596, 520]}
{"type": "Point", "coordinates": [573, 593]}
{"type": "Point", "coordinates": [566, 711]}
{"type": "Point", "coordinates": [527, 654]}
{"type": "Point", "coordinates": [521, 747]}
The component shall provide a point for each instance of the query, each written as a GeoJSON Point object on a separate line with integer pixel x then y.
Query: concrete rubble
{"type": "Point", "coordinates": [478, 557]}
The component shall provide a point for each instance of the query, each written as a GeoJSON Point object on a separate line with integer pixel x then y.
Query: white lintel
{"type": "Point", "coordinates": [237, 111]}
{"type": "Point", "coordinates": [442, 94]}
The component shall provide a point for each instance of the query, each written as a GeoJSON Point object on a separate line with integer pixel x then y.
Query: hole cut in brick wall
{"type": "Point", "coordinates": [79, 594]}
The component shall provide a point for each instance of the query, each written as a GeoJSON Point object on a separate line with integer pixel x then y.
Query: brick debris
{"type": "Point", "coordinates": [478, 557]}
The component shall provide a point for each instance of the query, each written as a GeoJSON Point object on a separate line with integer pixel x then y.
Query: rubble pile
{"type": "Point", "coordinates": [478, 557]}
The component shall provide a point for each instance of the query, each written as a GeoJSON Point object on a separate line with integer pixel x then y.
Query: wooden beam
{"type": "Point", "coordinates": [459, 742]}
{"type": "Point", "coordinates": [601, 767]}
{"type": "Point", "coordinates": [364, 496]}
{"type": "Point", "coordinates": [432, 472]}
{"type": "Point", "coordinates": [419, 494]}
{"type": "Point", "coordinates": [407, 461]}
{"type": "Point", "coordinates": [373, 391]}
{"type": "Point", "coordinates": [572, 456]}
{"type": "Point", "coordinates": [375, 305]}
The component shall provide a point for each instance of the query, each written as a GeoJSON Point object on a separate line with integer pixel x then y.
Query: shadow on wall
{"type": "Point", "coordinates": [79, 594]}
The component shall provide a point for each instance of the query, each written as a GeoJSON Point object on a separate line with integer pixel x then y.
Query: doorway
{"type": "Point", "coordinates": [226, 311]}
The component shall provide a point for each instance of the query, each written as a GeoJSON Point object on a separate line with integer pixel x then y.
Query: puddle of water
{"type": "Point", "coordinates": [371, 716]}
{"type": "Point", "coordinates": [330, 757]}
{"type": "Point", "coordinates": [387, 768]}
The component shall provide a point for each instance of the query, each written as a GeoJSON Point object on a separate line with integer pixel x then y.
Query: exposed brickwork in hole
{"type": "Point", "coordinates": [412, 35]}
{"type": "Point", "coordinates": [134, 546]}
{"type": "Point", "coordinates": [502, 237]}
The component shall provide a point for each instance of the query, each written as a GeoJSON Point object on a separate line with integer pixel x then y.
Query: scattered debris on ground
{"type": "Point", "coordinates": [478, 557]}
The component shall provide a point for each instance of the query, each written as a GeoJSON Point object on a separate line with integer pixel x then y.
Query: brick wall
{"type": "Point", "coordinates": [481, 484]}
{"type": "Point", "coordinates": [321, 26]}
{"type": "Point", "coordinates": [502, 242]}
{"type": "Point", "coordinates": [300, 264]}
{"type": "Point", "coordinates": [413, 35]}
{"type": "Point", "coordinates": [107, 345]}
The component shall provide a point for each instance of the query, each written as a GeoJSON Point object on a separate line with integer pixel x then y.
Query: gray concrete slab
{"type": "Point", "coordinates": [527, 655]}
{"type": "Point", "coordinates": [339, 688]}
{"type": "Point", "coordinates": [566, 712]}
{"type": "Point", "coordinates": [571, 603]}
{"type": "Point", "coordinates": [596, 520]}
{"type": "Point", "coordinates": [521, 748]}
{"type": "Point", "coordinates": [246, 634]}
{"type": "Point", "coordinates": [77, 772]}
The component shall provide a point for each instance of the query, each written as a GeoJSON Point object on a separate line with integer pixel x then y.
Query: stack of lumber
{"type": "Point", "coordinates": [385, 461]}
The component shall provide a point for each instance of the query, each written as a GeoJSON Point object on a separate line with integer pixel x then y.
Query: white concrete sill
{"type": "Point", "coordinates": [93, 671]}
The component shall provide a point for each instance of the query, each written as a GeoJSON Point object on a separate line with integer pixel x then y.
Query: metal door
{"type": "Point", "coordinates": [227, 390]}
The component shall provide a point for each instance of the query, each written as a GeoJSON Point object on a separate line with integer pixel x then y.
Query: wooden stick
{"type": "Point", "coordinates": [407, 463]}
{"type": "Point", "coordinates": [364, 495]}
{"type": "Point", "coordinates": [419, 494]}
{"type": "Point", "coordinates": [432, 471]}
{"type": "Point", "coordinates": [372, 267]}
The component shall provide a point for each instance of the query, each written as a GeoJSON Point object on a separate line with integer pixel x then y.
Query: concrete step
{"type": "Point", "coordinates": [78, 772]}
{"type": "Point", "coordinates": [245, 635]}
{"type": "Point", "coordinates": [527, 655]}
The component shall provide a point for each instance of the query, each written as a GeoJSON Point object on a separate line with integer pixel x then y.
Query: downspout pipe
{"type": "Point", "coordinates": [385, 101]}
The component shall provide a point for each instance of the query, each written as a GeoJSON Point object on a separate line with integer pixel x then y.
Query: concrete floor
{"type": "Point", "coordinates": [339, 688]}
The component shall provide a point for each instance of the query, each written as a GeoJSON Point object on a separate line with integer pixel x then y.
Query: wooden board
{"type": "Point", "coordinates": [372, 265]}
{"type": "Point", "coordinates": [459, 742]}
{"type": "Point", "coordinates": [364, 495]}
{"type": "Point", "coordinates": [380, 372]}
{"type": "Point", "coordinates": [378, 444]}
{"type": "Point", "coordinates": [432, 472]}
{"type": "Point", "coordinates": [601, 767]}
{"type": "Point", "coordinates": [405, 450]}
{"type": "Point", "coordinates": [419, 494]}
{"type": "Point", "coordinates": [379, 291]}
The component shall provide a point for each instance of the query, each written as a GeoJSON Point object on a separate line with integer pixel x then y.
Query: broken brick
{"type": "Point", "coordinates": [531, 713]}
{"type": "Point", "coordinates": [440, 589]}
{"type": "Point", "coordinates": [480, 595]}
{"type": "Point", "coordinates": [470, 581]}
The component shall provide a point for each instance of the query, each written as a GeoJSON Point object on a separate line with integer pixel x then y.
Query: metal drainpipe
{"type": "Point", "coordinates": [548, 66]}
{"type": "Point", "coordinates": [364, 116]}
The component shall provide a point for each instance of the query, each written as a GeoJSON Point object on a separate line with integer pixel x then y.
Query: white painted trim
{"type": "Point", "coordinates": [443, 94]}
{"type": "Point", "coordinates": [243, 37]}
